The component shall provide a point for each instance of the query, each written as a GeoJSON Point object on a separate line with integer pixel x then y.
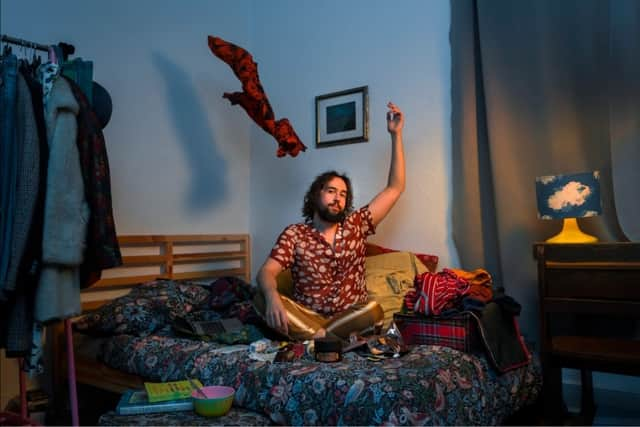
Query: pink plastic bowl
{"type": "Point", "coordinates": [218, 401]}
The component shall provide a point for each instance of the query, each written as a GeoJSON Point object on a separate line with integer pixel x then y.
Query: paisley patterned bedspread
{"type": "Point", "coordinates": [430, 385]}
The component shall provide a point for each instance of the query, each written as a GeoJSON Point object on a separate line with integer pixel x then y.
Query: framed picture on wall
{"type": "Point", "coordinates": [342, 117]}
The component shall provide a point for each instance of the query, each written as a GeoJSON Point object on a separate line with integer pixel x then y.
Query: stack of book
{"type": "Point", "coordinates": [158, 397]}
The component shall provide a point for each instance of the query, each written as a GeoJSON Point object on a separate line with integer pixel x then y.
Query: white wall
{"type": "Point", "coordinates": [401, 51]}
{"type": "Point", "coordinates": [178, 153]}
{"type": "Point", "coordinates": [181, 157]}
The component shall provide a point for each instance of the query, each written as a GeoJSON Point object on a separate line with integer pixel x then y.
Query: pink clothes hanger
{"type": "Point", "coordinates": [52, 55]}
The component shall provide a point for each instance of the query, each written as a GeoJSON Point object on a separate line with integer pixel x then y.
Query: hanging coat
{"type": "Point", "coordinates": [66, 212]}
{"type": "Point", "coordinates": [19, 308]}
{"type": "Point", "coordinates": [103, 250]}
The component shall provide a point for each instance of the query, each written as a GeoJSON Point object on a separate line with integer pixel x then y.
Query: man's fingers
{"type": "Point", "coordinates": [273, 320]}
{"type": "Point", "coordinates": [283, 322]}
{"type": "Point", "coordinates": [278, 320]}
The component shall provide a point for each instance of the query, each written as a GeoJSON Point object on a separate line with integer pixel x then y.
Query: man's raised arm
{"type": "Point", "coordinates": [384, 201]}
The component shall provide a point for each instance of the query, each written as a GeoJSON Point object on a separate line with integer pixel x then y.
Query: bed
{"type": "Point", "coordinates": [429, 385]}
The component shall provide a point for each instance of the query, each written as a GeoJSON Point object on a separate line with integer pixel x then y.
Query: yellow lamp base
{"type": "Point", "coordinates": [571, 233]}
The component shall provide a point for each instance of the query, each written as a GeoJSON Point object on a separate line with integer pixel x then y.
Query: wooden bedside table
{"type": "Point", "coordinates": [586, 279]}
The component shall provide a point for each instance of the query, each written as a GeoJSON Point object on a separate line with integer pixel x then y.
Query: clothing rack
{"type": "Point", "coordinates": [73, 396]}
{"type": "Point", "coordinates": [26, 43]}
{"type": "Point", "coordinates": [66, 48]}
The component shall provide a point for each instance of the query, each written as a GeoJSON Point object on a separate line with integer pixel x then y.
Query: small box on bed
{"type": "Point", "coordinates": [459, 331]}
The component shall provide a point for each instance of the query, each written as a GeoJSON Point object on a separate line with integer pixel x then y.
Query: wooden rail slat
{"type": "Point", "coordinates": [179, 249]}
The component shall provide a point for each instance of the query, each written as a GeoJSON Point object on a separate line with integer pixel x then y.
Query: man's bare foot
{"type": "Point", "coordinates": [320, 333]}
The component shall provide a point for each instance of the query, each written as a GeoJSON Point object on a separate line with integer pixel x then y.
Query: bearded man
{"type": "Point", "coordinates": [326, 255]}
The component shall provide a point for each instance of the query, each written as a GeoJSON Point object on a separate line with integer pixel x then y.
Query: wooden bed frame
{"type": "Point", "coordinates": [184, 256]}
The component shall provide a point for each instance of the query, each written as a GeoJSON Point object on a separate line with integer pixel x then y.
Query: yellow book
{"type": "Point", "coordinates": [159, 392]}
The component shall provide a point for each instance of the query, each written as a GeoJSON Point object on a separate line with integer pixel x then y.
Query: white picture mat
{"type": "Point", "coordinates": [358, 132]}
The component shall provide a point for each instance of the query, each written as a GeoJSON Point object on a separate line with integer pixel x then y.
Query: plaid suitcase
{"type": "Point", "coordinates": [459, 332]}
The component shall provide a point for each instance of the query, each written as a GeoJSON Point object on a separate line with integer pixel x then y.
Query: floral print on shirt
{"type": "Point", "coordinates": [327, 279]}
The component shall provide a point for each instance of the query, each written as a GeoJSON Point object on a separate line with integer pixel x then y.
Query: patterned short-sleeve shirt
{"type": "Point", "coordinates": [327, 279]}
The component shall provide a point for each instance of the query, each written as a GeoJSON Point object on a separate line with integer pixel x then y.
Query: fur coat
{"type": "Point", "coordinates": [66, 212]}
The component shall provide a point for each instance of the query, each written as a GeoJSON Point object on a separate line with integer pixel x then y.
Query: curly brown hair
{"type": "Point", "coordinates": [311, 198]}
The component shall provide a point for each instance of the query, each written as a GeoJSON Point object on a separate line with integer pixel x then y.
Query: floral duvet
{"type": "Point", "coordinates": [430, 385]}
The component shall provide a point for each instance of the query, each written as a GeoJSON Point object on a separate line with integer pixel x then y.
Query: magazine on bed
{"type": "Point", "coordinates": [136, 402]}
{"type": "Point", "coordinates": [159, 392]}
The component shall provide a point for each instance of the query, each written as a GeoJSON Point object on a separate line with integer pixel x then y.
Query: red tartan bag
{"type": "Point", "coordinates": [459, 332]}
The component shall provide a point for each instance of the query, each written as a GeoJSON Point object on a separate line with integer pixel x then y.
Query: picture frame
{"type": "Point", "coordinates": [342, 117]}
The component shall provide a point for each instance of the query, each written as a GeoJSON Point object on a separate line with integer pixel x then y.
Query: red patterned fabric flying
{"type": "Point", "coordinates": [253, 98]}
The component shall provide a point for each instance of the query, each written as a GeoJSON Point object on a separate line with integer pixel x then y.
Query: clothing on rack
{"type": "Point", "coordinates": [66, 213]}
{"type": "Point", "coordinates": [8, 162]}
{"type": "Point", "coordinates": [27, 190]}
{"type": "Point", "coordinates": [81, 73]}
{"type": "Point", "coordinates": [28, 142]}
{"type": "Point", "coordinates": [51, 222]}
{"type": "Point", "coordinates": [27, 228]}
{"type": "Point", "coordinates": [27, 179]}
{"type": "Point", "coordinates": [102, 250]}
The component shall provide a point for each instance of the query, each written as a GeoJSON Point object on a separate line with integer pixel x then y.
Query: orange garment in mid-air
{"type": "Point", "coordinates": [253, 98]}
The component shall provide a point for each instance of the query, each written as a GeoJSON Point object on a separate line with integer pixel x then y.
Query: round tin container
{"type": "Point", "coordinates": [328, 349]}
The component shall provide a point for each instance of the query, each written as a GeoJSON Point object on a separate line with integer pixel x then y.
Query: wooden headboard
{"type": "Point", "coordinates": [179, 256]}
{"type": "Point", "coordinates": [145, 258]}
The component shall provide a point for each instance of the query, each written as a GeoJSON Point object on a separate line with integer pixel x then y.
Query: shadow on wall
{"type": "Point", "coordinates": [207, 166]}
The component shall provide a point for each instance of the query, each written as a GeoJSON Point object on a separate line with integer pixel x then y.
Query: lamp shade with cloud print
{"type": "Point", "coordinates": [568, 197]}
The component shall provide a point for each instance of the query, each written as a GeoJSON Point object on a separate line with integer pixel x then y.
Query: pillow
{"type": "Point", "coordinates": [285, 280]}
{"type": "Point", "coordinates": [124, 315]}
{"type": "Point", "coordinates": [428, 260]}
{"type": "Point", "coordinates": [389, 276]}
{"type": "Point", "coordinates": [145, 309]}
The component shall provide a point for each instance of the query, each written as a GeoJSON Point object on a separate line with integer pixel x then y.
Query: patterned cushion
{"type": "Point", "coordinates": [145, 309]}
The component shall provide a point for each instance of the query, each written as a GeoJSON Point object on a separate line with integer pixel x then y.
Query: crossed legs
{"type": "Point", "coordinates": [306, 324]}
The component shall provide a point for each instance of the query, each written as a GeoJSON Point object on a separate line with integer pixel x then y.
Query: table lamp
{"type": "Point", "coordinates": [569, 196]}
